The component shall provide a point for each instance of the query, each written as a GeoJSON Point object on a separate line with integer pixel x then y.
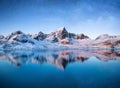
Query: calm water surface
{"type": "Point", "coordinates": [59, 69]}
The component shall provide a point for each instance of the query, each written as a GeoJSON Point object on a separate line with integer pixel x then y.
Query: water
{"type": "Point", "coordinates": [59, 69]}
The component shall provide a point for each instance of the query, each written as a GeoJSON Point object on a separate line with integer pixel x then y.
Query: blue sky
{"type": "Point", "coordinates": [91, 17]}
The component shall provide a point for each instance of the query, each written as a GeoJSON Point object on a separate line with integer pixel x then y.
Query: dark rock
{"type": "Point", "coordinates": [12, 34]}
{"type": "Point", "coordinates": [54, 39]}
{"type": "Point", "coordinates": [72, 35]}
{"type": "Point", "coordinates": [39, 36]}
{"type": "Point", "coordinates": [81, 36]}
{"type": "Point", "coordinates": [78, 36]}
{"type": "Point", "coordinates": [62, 34]}
{"type": "Point", "coordinates": [1, 37]}
{"type": "Point", "coordinates": [22, 38]}
{"type": "Point", "coordinates": [18, 32]}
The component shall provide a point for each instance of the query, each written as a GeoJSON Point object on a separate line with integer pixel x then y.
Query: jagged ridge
{"type": "Point", "coordinates": [60, 38]}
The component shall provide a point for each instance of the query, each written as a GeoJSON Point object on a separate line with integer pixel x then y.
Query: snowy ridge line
{"type": "Point", "coordinates": [59, 39]}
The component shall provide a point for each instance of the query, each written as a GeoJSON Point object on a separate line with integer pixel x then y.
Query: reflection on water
{"type": "Point", "coordinates": [59, 58]}
{"type": "Point", "coordinates": [60, 69]}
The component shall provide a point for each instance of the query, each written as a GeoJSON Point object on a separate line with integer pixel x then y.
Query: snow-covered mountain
{"type": "Point", "coordinates": [59, 39]}
{"type": "Point", "coordinates": [62, 36]}
{"type": "Point", "coordinates": [106, 40]}
{"type": "Point", "coordinates": [57, 35]}
{"type": "Point", "coordinates": [19, 40]}
{"type": "Point", "coordinates": [40, 36]}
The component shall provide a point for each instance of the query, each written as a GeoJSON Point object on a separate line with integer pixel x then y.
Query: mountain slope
{"type": "Point", "coordinates": [59, 39]}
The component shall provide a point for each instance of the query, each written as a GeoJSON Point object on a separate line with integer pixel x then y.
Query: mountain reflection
{"type": "Point", "coordinates": [59, 58]}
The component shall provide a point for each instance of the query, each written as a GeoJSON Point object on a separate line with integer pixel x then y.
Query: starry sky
{"type": "Point", "coordinates": [91, 17]}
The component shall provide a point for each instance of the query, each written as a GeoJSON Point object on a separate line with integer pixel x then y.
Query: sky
{"type": "Point", "coordinates": [91, 17]}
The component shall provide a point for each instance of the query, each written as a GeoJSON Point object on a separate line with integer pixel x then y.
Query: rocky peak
{"type": "Point", "coordinates": [61, 29]}
{"type": "Point", "coordinates": [39, 36]}
{"type": "Point", "coordinates": [17, 32]}
{"type": "Point", "coordinates": [60, 33]}
{"type": "Point", "coordinates": [1, 37]}
{"type": "Point", "coordinates": [18, 36]}
{"type": "Point", "coordinates": [13, 34]}
{"type": "Point", "coordinates": [81, 36]}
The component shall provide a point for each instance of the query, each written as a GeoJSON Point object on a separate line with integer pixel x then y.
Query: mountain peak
{"type": "Point", "coordinates": [39, 36]}
{"type": "Point", "coordinates": [17, 32]}
{"type": "Point", "coordinates": [13, 34]}
{"type": "Point", "coordinates": [60, 37]}
{"type": "Point", "coordinates": [61, 29]}
{"type": "Point", "coordinates": [82, 36]}
{"type": "Point", "coordinates": [60, 33]}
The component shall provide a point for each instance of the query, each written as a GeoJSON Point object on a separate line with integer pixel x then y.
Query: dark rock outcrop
{"type": "Point", "coordinates": [12, 34]}
{"type": "Point", "coordinates": [61, 33]}
{"type": "Point", "coordinates": [2, 37]}
{"type": "Point", "coordinates": [78, 36]}
{"type": "Point", "coordinates": [39, 36]}
{"type": "Point", "coordinates": [54, 39]}
{"type": "Point", "coordinates": [81, 36]}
